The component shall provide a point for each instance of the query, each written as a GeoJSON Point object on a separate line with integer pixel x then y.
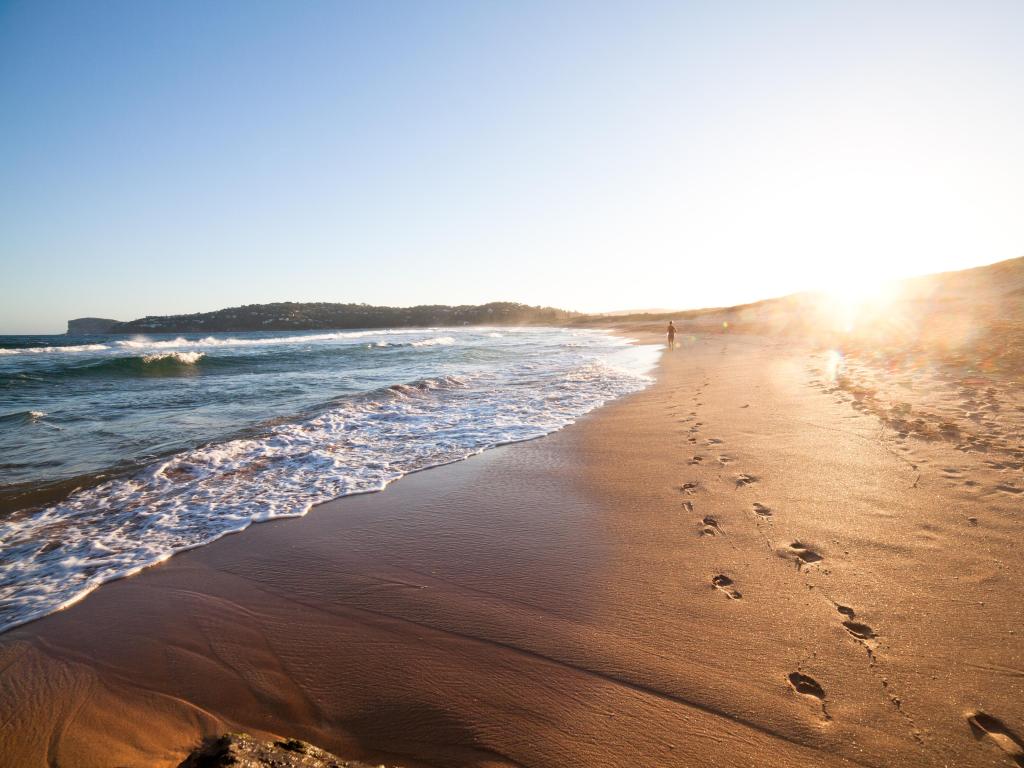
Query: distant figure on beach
{"type": "Point", "coordinates": [671, 335]}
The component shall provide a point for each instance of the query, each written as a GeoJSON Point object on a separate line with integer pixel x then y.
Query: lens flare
{"type": "Point", "coordinates": [834, 365]}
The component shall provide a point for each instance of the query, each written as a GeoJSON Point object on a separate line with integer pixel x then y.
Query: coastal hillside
{"type": "Point", "coordinates": [296, 316]}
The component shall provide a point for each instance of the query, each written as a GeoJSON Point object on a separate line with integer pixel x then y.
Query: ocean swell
{"type": "Point", "coordinates": [22, 417]}
{"type": "Point", "coordinates": [157, 364]}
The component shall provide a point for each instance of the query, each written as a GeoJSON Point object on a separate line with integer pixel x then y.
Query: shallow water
{"type": "Point", "coordinates": [116, 452]}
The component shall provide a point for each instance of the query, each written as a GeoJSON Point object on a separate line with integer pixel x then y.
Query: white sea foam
{"type": "Point", "coordinates": [50, 558]}
{"type": "Point", "coordinates": [213, 341]}
{"type": "Point", "coordinates": [145, 343]}
{"type": "Point", "coordinates": [22, 416]}
{"type": "Point", "coordinates": [54, 350]}
{"type": "Point", "coordinates": [187, 358]}
{"type": "Point", "coordinates": [438, 341]}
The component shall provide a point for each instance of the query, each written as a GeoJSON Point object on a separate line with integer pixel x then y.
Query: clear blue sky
{"type": "Point", "coordinates": [164, 157]}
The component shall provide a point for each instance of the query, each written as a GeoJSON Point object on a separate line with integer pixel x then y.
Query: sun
{"type": "Point", "coordinates": [852, 289]}
{"type": "Point", "coordinates": [855, 300]}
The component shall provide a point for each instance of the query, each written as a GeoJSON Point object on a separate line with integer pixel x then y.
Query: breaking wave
{"type": "Point", "coordinates": [208, 342]}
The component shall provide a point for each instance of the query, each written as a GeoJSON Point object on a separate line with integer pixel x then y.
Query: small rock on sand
{"type": "Point", "coordinates": [240, 750]}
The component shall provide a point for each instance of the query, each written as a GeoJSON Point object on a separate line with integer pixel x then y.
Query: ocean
{"type": "Point", "coordinates": [116, 452]}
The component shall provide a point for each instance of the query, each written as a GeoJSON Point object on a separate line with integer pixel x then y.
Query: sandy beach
{"type": "Point", "coordinates": [512, 385]}
{"type": "Point", "coordinates": [748, 563]}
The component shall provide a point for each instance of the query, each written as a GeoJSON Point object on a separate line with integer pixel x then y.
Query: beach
{"type": "Point", "coordinates": [767, 557]}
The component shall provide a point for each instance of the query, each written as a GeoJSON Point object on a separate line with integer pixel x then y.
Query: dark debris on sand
{"type": "Point", "coordinates": [240, 750]}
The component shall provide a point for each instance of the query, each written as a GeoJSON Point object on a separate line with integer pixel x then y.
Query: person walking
{"type": "Point", "coordinates": [671, 335]}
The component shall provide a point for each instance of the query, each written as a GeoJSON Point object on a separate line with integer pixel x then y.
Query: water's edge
{"type": "Point", "coordinates": [99, 578]}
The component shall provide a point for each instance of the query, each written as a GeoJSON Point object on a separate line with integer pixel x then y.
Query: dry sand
{"type": "Point", "coordinates": [760, 560]}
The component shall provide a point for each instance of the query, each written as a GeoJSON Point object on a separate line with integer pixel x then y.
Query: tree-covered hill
{"type": "Point", "coordinates": [294, 316]}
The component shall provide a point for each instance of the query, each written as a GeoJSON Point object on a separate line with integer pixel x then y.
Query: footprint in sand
{"type": "Point", "coordinates": [725, 585]}
{"type": "Point", "coordinates": [696, 460]}
{"type": "Point", "coordinates": [689, 488]}
{"type": "Point", "coordinates": [800, 553]}
{"type": "Point", "coordinates": [713, 441]}
{"type": "Point", "coordinates": [723, 460]}
{"type": "Point", "coordinates": [688, 506]}
{"type": "Point", "coordinates": [983, 724]}
{"type": "Point", "coordinates": [761, 510]}
{"type": "Point", "coordinates": [742, 480]}
{"type": "Point", "coordinates": [710, 526]}
{"type": "Point", "coordinates": [859, 630]}
{"type": "Point", "coordinates": [808, 686]}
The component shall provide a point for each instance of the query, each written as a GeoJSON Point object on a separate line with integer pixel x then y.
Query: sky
{"type": "Point", "coordinates": [170, 157]}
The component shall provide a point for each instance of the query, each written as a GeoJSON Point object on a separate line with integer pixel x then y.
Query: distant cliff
{"type": "Point", "coordinates": [86, 325]}
{"type": "Point", "coordinates": [292, 316]}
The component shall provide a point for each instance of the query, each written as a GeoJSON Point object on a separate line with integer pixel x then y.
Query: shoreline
{"type": "Point", "coordinates": [175, 479]}
{"type": "Point", "coordinates": [558, 602]}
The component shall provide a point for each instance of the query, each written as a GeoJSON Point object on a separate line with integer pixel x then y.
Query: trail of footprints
{"type": "Point", "coordinates": [976, 421]}
{"type": "Point", "coordinates": [803, 555]}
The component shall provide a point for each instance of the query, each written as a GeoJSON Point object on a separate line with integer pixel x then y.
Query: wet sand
{"type": "Point", "coordinates": [752, 562]}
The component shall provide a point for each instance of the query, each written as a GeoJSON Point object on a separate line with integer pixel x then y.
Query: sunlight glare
{"type": "Point", "coordinates": [854, 300]}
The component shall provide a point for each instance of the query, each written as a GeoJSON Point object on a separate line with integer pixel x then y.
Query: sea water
{"type": "Point", "coordinates": [116, 452]}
